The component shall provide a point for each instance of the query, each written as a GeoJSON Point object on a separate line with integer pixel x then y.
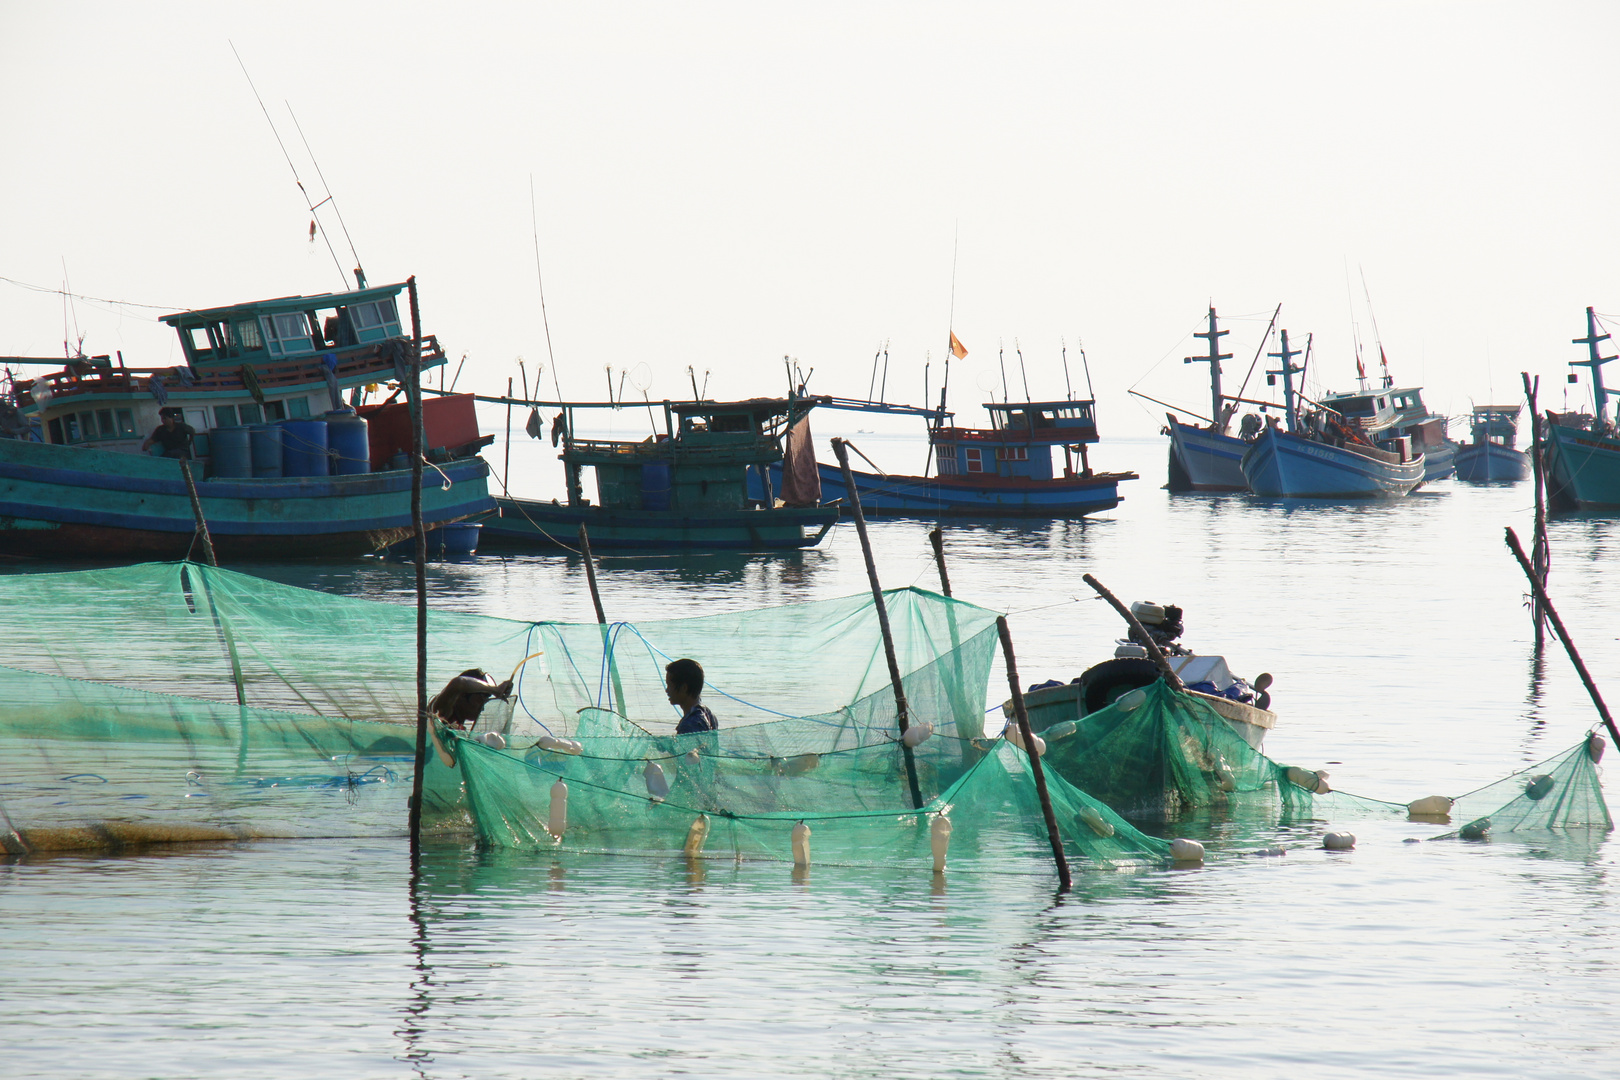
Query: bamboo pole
{"type": "Point", "coordinates": [506, 470]}
{"type": "Point", "coordinates": [418, 439]}
{"type": "Point", "coordinates": [1563, 636]}
{"type": "Point", "coordinates": [1540, 551]}
{"type": "Point", "coordinates": [590, 573]}
{"type": "Point", "coordinates": [196, 511]}
{"type": "Point", "coordinates": [841, 448]}
{"type": "Point", "coordinates": [1154, 652]}
{"type": "Point", "coordinates": [1021, 718]}
{"type": "Point", "coordinates": [937, 538]}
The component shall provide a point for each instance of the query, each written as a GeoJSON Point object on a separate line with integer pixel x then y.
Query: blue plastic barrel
{"type": "Point", "coordinates": [350, 442]}
{"type": "Point", "coordinates": [233, 454]}
{"type": "Point", "coordinates": [304, 451]}
{"type": "Point", "coordinates": [655, 486]}
{"type": "Point", "coordinates": [266, 444]}
{"type": "Point", "coordinates": [460, 538]}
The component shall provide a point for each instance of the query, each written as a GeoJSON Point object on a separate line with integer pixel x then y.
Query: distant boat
{"type": "Point", "coordinates": [277, 475]}
{"type": "Point", "coordinates": [1582, 450]}
{"type": "Point", "coordinates": [684, 489]}
{"type": "Point", "coordinates": [1324, 455]}
{"type": "Point", "coordinates": [1005, 470]}
{"type": "Point", "coordinates": [1207, 457]}
{"type": "Point", "coordinates": [1491, 455]}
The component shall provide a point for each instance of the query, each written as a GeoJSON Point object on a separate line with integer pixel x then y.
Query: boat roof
{"type": "Point", "coordinates": [201, 316]}
{"type": "Point", "coordinates": [1019, 406]}
{"type": "Point", "coordinates": [1482, 409]}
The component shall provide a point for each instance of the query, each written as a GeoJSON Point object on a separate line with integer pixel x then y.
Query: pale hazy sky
{"type": "Point", "coordinates": [722, 184]}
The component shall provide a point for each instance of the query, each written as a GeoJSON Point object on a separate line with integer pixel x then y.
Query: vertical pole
{"type": "Point", "coordinates": [1540, 552]}
{"type": "Point", "coordinates": [414, 390]}
{"type": "Point", "coordinates": [506, 470]}
{"type": "Point", "coordinates": [196, 512]}
{"type": "Point", "coordinates": [937, 538]}
{"type": "Point", "coordinates": [901, 709]}
{"type": "Point", "coordinates": [1021, 717]}
{"type": "Point", "coordinates": [590, 573]}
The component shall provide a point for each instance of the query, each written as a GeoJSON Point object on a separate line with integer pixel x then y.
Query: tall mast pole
{"type": "Point", "coordinates": [1600, 395]}
{"type": "Point", "coordinates": [1213, 336]}
{"type": "Point", "coordinates": [1287, 371]}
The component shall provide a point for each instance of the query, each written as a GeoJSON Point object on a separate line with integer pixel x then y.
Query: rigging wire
{"type": "Point", "coordinates": [534, 221]}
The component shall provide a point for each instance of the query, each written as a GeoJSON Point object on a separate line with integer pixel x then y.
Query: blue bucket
{"type": "Point", "coordinates": [460, 538]}
{"type": "Point", "coordinates": [304, 452]}
{"type": "Point", "coordinates": [350, 441]}
{"type": "Point", "coordinates": [266, 445]}
{"type": "Point", "coordinates": [233, 454]}
{"type": "Point", "coordinates": [655, 486]}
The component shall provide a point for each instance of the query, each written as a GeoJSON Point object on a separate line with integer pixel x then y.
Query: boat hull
{"type": "Point", "coordinates": [527, 525]}
{"type": "Point", "coordinates": [1204, 460]}
{"type": "Point", "coordinates": [1281, 465]}
{"type": "Point", "coordinates": [1489, 462]}
{"type": "Point", "coordinates": [956, 496]}
{"type": "Point", "coordinates": [1583, 469]}
{"type": "Point", "coordinates": [63, 502]}
{"type": "Point", "coordinates": [1440, 461]}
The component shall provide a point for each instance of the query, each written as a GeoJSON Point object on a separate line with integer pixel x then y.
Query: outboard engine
{"type": "Point", "coordinates": [1162, 622]}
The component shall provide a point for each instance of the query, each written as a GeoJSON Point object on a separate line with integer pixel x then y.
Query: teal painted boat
{"type": "Point", "coordinates": [261, 380]}
{"type": "Point", "coordinates": [1582, 450]}
{"type": "Point", "coordinates": [685, 489]}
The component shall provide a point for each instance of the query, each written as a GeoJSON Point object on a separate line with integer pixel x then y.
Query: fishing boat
{"type": "Point", "coordinates": [686, 488]}
{"type": "Point", "coordinates": [1581, 450]}
{"type": "Point", "coordinates": [1207, 457]}
{"type": "Point", "coordinates": [1005, 470]}
{"type": "Point", "coordinates": [1394, 413]}
{"type": "Point", "coordinates": [1491, 454]}
{"type": "Point", "coordinates": [281, 466]}
{"type": "Point", "coordinates": [1321, 454]}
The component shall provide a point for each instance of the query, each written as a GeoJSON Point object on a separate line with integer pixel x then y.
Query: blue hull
{"type": "Point", "coordinates": [1489, 462]}
{"type": "Point", "coordinates": [956, 496]}
{"type": "Point", "coordinates": [73, 502]}
{"type": "Point", "coordinates": [1583, 469]}
{"type": "Point", "coordinates": [1278, 464]}
{"type": "Point", "coordinates": [1203, 460]}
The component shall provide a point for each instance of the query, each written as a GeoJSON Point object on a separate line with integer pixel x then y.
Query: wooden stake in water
{"type": "Point", "coordinates": [590, 573]}
{"type": "Point", "coordinates": [937, 538]}
{"type": "Point", "coordinates": [418, 440]}
{"type": "Point", "coordinates": [901, 709]}
{"type": "Point", "coordinates": [196, 511]}
{"type": "Point", "coordinates": [1563, 636]}
{"type": "Point", "coordinates": [1153, 650]}
{"type": "Point", "coordinates": [1021, 718]}
{"type": "Point", "coordinates": [1540, 551]}
{"type": "Point", "coordinates": [506, 470]}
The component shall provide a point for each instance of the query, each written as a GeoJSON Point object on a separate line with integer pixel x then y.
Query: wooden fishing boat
{"type": "Point", "coordinates": [261, 387]}
{"type": "Point", "coordinates": [684, 489]}
{"type": "Point", "coordinates": [1321, 454]}
{"type": "Point", "coordinates": [1492, 455]}
{"type": "Point", "coordinates": [1581, 451]}
{"type": "Point", "coordinates": [1393, 413]}
{"type": "Point", "coordinates": [1207, 457]}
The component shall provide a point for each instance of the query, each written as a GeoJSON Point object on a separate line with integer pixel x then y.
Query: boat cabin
{"type": "Point", "coordinates": [251, 363]}
{"type": "Point", "coordinates": [1497, 424]}
{"type": "Point", "coordinates": [699, 462]}
{"type": "Point", "coordinates": [1018, 443]}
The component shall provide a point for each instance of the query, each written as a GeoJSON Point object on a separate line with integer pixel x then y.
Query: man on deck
{"type": "Point", "coordinates": [174, 435]}
{"type": "Point", "coordinates": [683, 683]}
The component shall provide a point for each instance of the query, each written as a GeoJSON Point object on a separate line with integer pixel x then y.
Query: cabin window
{"type": "Point", "coordinates": [104, 420]}
{"type": "Point", "coordinates": [974, 462]}
{"type": "Point", "coordinates": [55, 427]}
{"type": "Point", "coordinates": [126, 422]}
{"type": "Point", "coordinates": [1012, 453]}
{"type": "Point", "coordinates": [273, 410]}
{"type": "Point", "coordinates": [250, 414]}
{"type": "Point", "coordinates": [70, 428]}
{"type": "Point", "coordinates": [245, 335]}
{"type": "Point", "coordinates": [201, 344]}
{"type": "Point", "coordinates": [224, 415]}
{"type": "Point", "coordinates": [289, 334]}
{"type": "Point", "coordinates": [297, 407]}
{"type": "Point", "coordinates": [375, 320]}
{"type": "Point", "coordinates": [947, 463]}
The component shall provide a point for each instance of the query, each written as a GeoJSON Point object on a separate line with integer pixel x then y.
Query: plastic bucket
{"type": "Point", "coordinates": [655, 486]}
{"type": "Point", "coordinates": [348, 437]}
{"type": "Point", "coordinates": [265, 440]}
{"type": "Point", "coordinates": [233, 454]}
{"type": "Point", "coordinates": [304, 452]}
{"type": "Point", "coordinates": [460, 538]}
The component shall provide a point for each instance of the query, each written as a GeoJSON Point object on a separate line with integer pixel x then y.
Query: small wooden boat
{"type": "Point", "coordinates": [684, 489]}
{"type": "Point", "coordinates": [1492, 455]}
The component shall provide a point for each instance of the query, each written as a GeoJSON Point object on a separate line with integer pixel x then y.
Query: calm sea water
{"type": "Point", "coordinates": [1403, 664]}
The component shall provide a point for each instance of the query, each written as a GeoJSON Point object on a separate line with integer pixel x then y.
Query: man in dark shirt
{"type": "Point", "coordinates": [683, 683]}
{"type": "Point", "coordinates": [174, 435]}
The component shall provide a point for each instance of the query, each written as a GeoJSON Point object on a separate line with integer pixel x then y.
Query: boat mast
{"type": "Point", "coordinates": [1600, 395]}
{"type": "Point", "coordinates": [1213, 336]}
{"type": "Point", "coordinates": [1287, 371]}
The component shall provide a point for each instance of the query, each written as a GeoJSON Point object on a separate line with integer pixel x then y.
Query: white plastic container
{"type": "Point", "coordinates": [1186, 851]}
{"type": "Point", "coordinates": [1148, 613]}
{"type": "Point", "coordinates": [657, 783]}
{"type": "Point", "coordinates": [1338, 841]}
{"type": "Point", "coordinates": [801, 844]}
{"type": "Point", "coordinates": [939, 838]}
{"type": "Point", "coordinates": [557, 817]}
{"type": "Point", "coordinates": [1094, 821]}
{"type": "Point", "coordinates": [917, 734]}
{"type": "Point", "coordinates": [695, 836]}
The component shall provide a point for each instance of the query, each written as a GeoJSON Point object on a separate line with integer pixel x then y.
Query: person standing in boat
{"type": "Point", "coordinates": [683, 684]}
{"type": "Point", "coordinates": [174, 435]}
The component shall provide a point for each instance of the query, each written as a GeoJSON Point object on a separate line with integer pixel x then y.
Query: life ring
{"type": "Point", "coordinates": [1101, 685]}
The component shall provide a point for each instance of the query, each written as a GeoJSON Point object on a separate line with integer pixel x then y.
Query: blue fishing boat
{"type": "Point", "coordinates": [1492, 455]}
{"type": "Point", "coordinates": [282, 467]}
{"type": "Point", "coordinates": [686, 488]}
{"type": "Point", "coordinates": [1581, 450]}
{"type": "Point", "coordinates": [1208, 457]}
{"type": "Point", "coordinates": [1393, 413]}
{"type": "Point", "coordinates": [1324, 455]}
{"type": "Point", "coordinates": [1005, 470]}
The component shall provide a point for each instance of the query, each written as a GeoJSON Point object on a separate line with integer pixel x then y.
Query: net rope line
{"type": "Point", "coordinates": [1553, 760]}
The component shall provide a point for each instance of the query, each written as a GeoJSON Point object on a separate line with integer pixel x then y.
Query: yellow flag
{"type": "Point", "coordinates": [958, 350]}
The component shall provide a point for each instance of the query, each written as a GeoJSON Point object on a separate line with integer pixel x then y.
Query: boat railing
{"type": "Point", "coordinates": [1043, 436]}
